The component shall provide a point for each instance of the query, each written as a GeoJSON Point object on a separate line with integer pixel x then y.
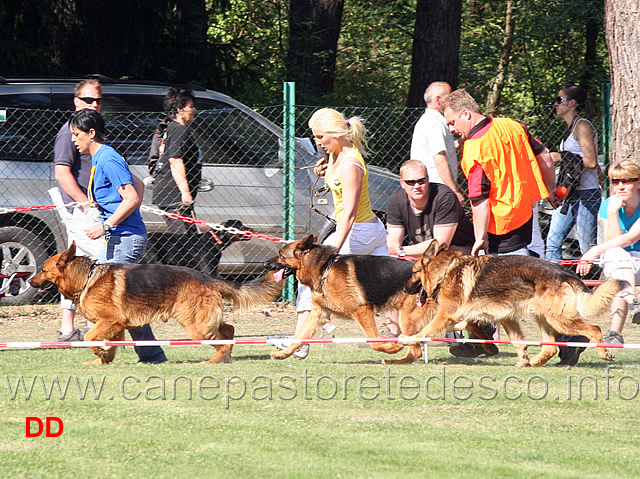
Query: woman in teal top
{"type": "Point", "coordinates": [620, 251]}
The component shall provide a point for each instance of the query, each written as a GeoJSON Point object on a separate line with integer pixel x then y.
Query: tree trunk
{"type": "Point", "coordinates": [436, 46]}
{"type": "Point", "coordinates": [505, 56]}
{"type": "Point", "coordinates": [623, 39]}
{"type": "Point", "coordinates": [313, 45]}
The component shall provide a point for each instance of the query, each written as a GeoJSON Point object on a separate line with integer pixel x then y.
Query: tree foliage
{"type": "Point", "coordinates": [243, 47]}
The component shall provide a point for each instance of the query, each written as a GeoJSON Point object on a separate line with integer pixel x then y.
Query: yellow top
{"type": "Point", "coordinates": [332, 178]}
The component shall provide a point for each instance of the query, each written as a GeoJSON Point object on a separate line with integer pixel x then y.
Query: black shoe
{"type": "Point", "coordinates": [472, 350]}
{"type": "Point", "coordinates": [569, 356]}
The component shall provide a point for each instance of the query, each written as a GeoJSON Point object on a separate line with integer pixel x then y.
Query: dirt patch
{"type": "Point", "coordinates": [42, 323]}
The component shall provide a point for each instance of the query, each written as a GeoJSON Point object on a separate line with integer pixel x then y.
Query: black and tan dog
{"type": "Point", "coordinates": [505, 289]}
{"type": "Point", "coordinates": [123, 296]}
{"type": "Point", "coordinates": [354, 287]}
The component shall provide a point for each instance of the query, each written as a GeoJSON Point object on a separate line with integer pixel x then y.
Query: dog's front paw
{"type": "Point", "coordinates": [278, 355]}
{"type": "Point", "coordinates": [409, 340]}
{"type": "Point", "coordinates": [609, 356]}
{"type": "Point", "coordinates": [95, 362]}
{"type": "Point", "coordinates": [523, 363]}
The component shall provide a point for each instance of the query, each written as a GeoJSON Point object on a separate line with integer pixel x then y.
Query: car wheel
{"type": "Point", "coordinates": [21, 255]}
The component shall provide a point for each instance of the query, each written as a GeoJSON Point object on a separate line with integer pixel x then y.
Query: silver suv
{"type": "Point", "coordinates": [242, 174]}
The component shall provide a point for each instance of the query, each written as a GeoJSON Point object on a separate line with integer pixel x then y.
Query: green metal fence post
{"type": "Point", "coordinates": [288, 123]}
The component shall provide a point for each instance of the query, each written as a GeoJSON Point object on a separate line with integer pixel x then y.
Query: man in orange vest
{"type": "Point", "coordinates": [507, 171]}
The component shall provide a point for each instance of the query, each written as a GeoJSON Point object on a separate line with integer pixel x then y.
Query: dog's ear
{"type": "Point", "coordinates": [67, 256]}
{"type": "Point", "coordinates": [438, 271]}
{"type": "Point", "coordinates": [431, 250]}
{"type": "Point", "coordinates": [308, 242]}
{"type": "Point", "coordinates": [443, 247]}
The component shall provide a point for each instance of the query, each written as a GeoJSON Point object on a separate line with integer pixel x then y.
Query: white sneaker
{"type": "Point", "coordinates": [283, 342]}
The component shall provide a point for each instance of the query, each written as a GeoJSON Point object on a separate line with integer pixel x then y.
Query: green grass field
{"type": "Point", "coordinates": [339, 413]}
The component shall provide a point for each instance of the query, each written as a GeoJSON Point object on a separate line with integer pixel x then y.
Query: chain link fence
{"type": "Point", "coordinates": [241, 153]}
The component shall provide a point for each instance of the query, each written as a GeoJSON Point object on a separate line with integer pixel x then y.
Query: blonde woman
{"type": "Point", "coordinates": [619, 218]}
{"type": "Point", "coordinates": [358, 230]}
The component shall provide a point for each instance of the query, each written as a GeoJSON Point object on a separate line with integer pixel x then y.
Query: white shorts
{"type": "Point", "coordinates": [617, 259]}
{"type": "Point", "coordinates": [76, 221]}
{"type": "Point", "coordinates": [364, 238]}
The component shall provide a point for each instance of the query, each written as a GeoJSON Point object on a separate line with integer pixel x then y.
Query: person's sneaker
{"type": "Point", "coordinates": [283, 342]}
{"type": "Point", "coordinates": [613, 337]}
{"type": "Point", "coordinates": [74, 335]}
{"type": "Point", "coordinates": [472, 350]}
{"type": "Point", "coordinates": [634, 311]}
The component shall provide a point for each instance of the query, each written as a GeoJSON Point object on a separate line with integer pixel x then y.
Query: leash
{"type": "Point", "coordinates": [318, 193]}
{"type": "Point", "coordinates": [323, 280]}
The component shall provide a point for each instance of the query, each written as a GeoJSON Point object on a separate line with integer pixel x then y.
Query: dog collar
{"type": "Point", "coordinates": [326, 271]}
{"type": "Point", "coordinates": [76, 298]}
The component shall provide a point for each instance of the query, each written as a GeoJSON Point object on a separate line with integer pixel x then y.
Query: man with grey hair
{"type": "Point", "coordinates": [433, 143]}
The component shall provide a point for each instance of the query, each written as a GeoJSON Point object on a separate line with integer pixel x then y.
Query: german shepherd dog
{"type": "Point", "coordinates": [505, 289]}
{"type": "Point", "coordinates": [123, 296]}
{"type": "Point", "coordinates": [353, 287]}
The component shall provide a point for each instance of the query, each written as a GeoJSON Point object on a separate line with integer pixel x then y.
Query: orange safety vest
{"type": "Point", "coordinates": [507, 159]}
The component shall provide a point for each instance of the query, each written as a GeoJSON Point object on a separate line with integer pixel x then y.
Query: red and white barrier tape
{"type": "Point", "coordinates": [158, 211]}
{"type": "Point", "coordinates": [213, 342]}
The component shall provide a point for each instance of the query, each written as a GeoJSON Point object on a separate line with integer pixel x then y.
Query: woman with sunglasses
{"type": "Point", "coordinates": [580, 139]}
{"type": "Point", "coordinates": [358, 230]}
{"type": "Point", "coordinates": [619, 217]}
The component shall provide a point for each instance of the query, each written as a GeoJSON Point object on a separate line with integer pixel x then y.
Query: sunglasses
{"type": "Point", "coordinates": [561, 99]}
{"type": "Point", "coordinates": [624, 181]}
{"type": "Point", "coordinates": [89, 100]}
{"type": "Point", "coordinates": [420, 181]}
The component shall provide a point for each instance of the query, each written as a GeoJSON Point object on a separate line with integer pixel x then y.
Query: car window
{"type": "Point", "coordinates": [26, 100]}
{"type": "Point", "coordinates": [231, 136]}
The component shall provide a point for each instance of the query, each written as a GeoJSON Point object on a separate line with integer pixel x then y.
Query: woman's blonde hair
{"type": "Point", "coordinates": [334, 122]}
{"type": "Point", "coordinates": [624, 168]}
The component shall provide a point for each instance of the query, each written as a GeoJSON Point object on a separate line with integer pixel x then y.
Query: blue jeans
{"type": "Point", "coordinates": [129, 249]}
{"type": "Point", "coordinates": [582, 213]}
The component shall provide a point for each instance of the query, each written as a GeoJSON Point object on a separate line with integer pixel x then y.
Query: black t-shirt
{"type": "Point", "coordinates": [443, 208]}
{"type": "Point", "coordinates": [180, 143]}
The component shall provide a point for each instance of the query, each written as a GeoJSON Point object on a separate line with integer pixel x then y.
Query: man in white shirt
{"type": "Point", "coordinates": [433, 143]}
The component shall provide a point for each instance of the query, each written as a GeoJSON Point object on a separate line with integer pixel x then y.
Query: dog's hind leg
{"type": "Point", "coordinates": [578, 327]}
{"type": "Point", "coordinates": [104, 332]}
{"type": "Point", "coordinates": [513, 330]}
{"type": "Point", "coordinates": [547, 351]}
{"type": "Point", "coordinates": [223, 353]}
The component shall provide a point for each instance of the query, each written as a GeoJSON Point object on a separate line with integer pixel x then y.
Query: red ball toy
{"type": "Point", "coordinates": [562, 192]}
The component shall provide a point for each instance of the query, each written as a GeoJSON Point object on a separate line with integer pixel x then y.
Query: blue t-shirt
{"type": "Point", "coordinates": [111, 173]}
{"type": "Point", "coordinates": [624, 221]}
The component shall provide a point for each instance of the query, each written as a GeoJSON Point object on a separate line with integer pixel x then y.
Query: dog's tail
{"type": "Point", "coordinates": [594, 305]}
{"type": "Point", "coordinates": [251, 294]}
